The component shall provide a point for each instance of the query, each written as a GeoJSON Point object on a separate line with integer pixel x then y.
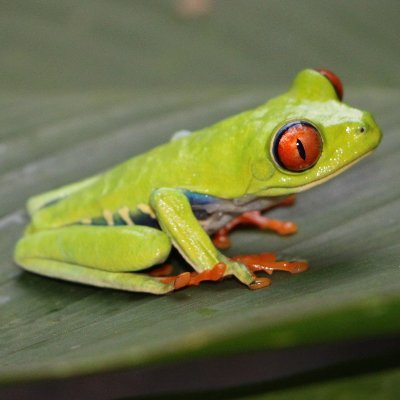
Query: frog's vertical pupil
{"type": "Point", "coordinates": [300, 149]}
{"type": "Point", "coordinates": [297, 146]}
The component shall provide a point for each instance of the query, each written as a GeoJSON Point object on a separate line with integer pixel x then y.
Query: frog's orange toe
{"type": "Point", "coordinates": [284, 227]}
{"type": "Point", "coordinates": [182, 280]}
{"type": "Point", "coordinates": [195, 278]}
{"type": "Point", "coordinates": [296, 267]}
{"type": "Point", "coordinates": [221, 240]}
{"type": "Point", "coordinates": [260, 283]}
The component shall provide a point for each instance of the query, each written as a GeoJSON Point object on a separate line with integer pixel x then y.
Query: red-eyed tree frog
{"type": "Point", "coordinates": [111, 229]}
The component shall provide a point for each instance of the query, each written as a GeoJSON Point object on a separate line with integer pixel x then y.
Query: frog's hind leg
{"type": "Point", "coordinates": [103, 256]}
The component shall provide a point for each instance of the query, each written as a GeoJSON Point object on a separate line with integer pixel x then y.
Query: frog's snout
{"type": "Point", "coordinates": [365, 131]}
{"type": "Point", "coordinates": [371, 129]}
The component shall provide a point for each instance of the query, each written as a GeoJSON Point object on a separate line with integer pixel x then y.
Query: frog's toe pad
{"type": "Point", "coordinates": [260, 283]}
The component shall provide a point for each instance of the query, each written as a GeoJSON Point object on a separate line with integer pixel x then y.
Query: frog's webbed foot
{"type": "Point", "coordinates": [267, 262]}
{"type": "Point", "coordinates": [195, 278]}
{"type": "Point", "coordinates": [254, 218]}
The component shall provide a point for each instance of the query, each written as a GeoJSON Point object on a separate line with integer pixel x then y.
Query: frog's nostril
{"type": "Point", "coordinates": [357, 129]}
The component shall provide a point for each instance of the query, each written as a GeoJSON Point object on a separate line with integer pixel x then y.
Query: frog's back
{"type": "Point", "coordinates": [204, 162]}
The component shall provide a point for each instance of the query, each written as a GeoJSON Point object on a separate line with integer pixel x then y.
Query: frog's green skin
{"type": "Point", "coordinates": [70, 236]}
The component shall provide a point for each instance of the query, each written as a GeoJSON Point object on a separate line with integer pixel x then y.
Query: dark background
{"type": "Point", "coordinates": [91, 45]}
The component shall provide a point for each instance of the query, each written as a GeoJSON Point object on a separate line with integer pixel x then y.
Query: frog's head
{"type": "Point", "coordinates": [311, 135]}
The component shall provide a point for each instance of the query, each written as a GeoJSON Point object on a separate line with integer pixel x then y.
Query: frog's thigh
{"type": "Point", "coordinates": [97, 255]}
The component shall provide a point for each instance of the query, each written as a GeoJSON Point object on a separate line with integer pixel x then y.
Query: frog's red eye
{"type": "Point", "coordinates": [334, 80]}
{"type": "Point", "coordinates": [297, 146]}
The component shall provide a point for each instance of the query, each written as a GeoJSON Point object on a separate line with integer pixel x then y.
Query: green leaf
{"type": "Point", "coordinates": [349, 232]}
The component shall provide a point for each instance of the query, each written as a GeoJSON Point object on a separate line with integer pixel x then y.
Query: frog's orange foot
{"type": "Point", "coordinates": [195, 278]}
{"type": "Point", "coordinates": [162, 270]}
{"type": "Point", "coordinates": [254, 218]}
{"type": "Point", "coordinates": [287, 201]}
{"type": "Point", "coordinates": [267, 262]}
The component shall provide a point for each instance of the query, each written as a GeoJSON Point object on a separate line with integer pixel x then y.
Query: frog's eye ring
{"type": "Point", "coordinates": [334, 80]}
{"type": "Point", "coordinates": [297, 146]}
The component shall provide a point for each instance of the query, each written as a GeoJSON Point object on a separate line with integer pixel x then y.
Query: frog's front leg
{"type": "Point", "coordinates": [102, 256]}
{"type": "Point", "coordinates": [177, 220]}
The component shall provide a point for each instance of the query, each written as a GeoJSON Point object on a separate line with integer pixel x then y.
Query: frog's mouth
{"type": "Point", "coordinates": [336, 173]}
{"type": "Point", "coordinates": [282, 190]}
